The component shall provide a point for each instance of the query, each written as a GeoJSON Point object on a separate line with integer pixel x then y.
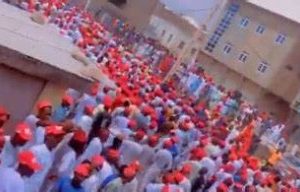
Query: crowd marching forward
{"type": "Point", "coordinates": [139, 135]}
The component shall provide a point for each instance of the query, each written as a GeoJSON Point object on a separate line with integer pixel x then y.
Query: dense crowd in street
{"type": "Point", "coordinates": [141, 135]}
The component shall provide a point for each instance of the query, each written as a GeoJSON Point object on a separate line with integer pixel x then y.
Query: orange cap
{"type": "Point", "coordinates": [83, 169]}
{"type": "Point", "coordinates": [54, 130]}
{"type": "Point", "coordinates": [43, 104]}
{"type": "Point", "coordinates": [135, 165]}
{"type": "Point", "coordinates": [24, 131]}
{"type": "Point", "coordinates": [80, 136]}
{"type": "Point", "coordinates": [28, 158]}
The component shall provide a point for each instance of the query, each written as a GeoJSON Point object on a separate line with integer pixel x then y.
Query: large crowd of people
{"type": "Point", "coordinates": [141, 135]}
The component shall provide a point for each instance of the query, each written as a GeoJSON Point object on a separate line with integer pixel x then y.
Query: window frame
{"type": "Point", "coordinates": [244, 22]}
{"type": "Point", "coordinates": [262, 67]}
{"type": "Point", "coordinates": [227, 48]}
{"type": "Point", "coordinates": [280, 38]}
{"type": "Point", "coordinates": [243, 57]}
{"type": "Point", "coordinates": [260, 29]}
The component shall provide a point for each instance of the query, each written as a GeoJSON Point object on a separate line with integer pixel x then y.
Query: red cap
{"type": "Point", "coordinates": [178, 177]}
{"type": "Point", "coordinates": [147, 110]}
{"type": "Point", "coordinates": [113, 155]}
{"type": "Point", "coordinates": [80, 136]}
{"type": "Point", "coordinates": [68, 99]}
{"type": "Point", "coordinates": [97, 160]}
{"type": "Point", "coordinates": [168, 178]}
{"type": "Point", "coordinates": [168, 144]}
{"type": "Point", "coordinates": [43, 104]}
{"type": "Point", "coordinates": [136, 165]}
{"type": "Point", "coordinates": [198, 153]}
{"type": "Point", "coordinates": [229, 168]}
{"type": "Point", "coordinates": [83, 169]}
{"type": "Point", "coordinates": [139, 135]}
{"type": "Point", "coordinates": [129, 172]}
{"type": "Point", "coordinates": [89, 109]}
{"type": "Point", "coordinates": [107, 101]}
{"type": "Point", "coordinates": [153, 125]}
{"type": "Point", "coordinates": [24, 131]}
{"type": "Point", "coordinates": [54, 130]}
{"type": "Point", "coordinates": [222, 188]}
{"type": "Point", "coordinates": [186, 169]}
{"type": "Point", "coordinates": [28, 158]}
{"type": "Point", "coordinates": [94, 88]}
{"type": "Point", "coordinates": [132, 124]}
{"type": "Point", "coordinates": [153, 140]}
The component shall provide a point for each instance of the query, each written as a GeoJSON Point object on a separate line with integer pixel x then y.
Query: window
{"type": "Point", "coordinates": [170, 38]}
{"type": "Point", "coordinates": [243, 57]}
{"type": "Point", "coordinates": [280, 39]}
{"type": "Point", "coordinates": [244, 22]}
{"type": "Point", "coordinates": [163, 33]}
{"type": "Point", "coordinates": [262, 67]}
{"type": "Point", "coordinates": [227, 48]}
{"type": "Point", "coordinates": [181, 45]}
{"type": "Point", "coordinates": [260, 29]}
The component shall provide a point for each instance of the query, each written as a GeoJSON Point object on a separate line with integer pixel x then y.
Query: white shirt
{"type": "Point", "coordinates": [94, 148]}
{"type": "Point", "coordinates": [85, 123]}
{"type": "Point", "coordinates": [67, 164]}
{"type": "Point", "coordinates": [132, 186]}
{"type": "Point", "coordinates": [31, 120]}
{"type": "Point", "coordinates": [163, 159]}
{"type": "Point", "coordinates": [9, 153]}
{"type": "Point", "coordinates": [130, 151]}
{"type": "Point", "coordinates": [11, 181]}
{"type": "Point", "coordinates": [209, 164]}
{"type": "Point", "coordinates": [147, 156]}
{"type": "Point", "coordinates": [45, 157]}
{"type": "Point", "coordinates": [93, 183]}
{"type": "Point", "coordinates": [185, 185]}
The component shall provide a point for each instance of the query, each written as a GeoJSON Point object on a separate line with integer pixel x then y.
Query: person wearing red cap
{"type": "Point", "coordinates": [101, 171]}
{"type": "Point", "coordinates": [146, 157]}
{"type": "Point", "coordinates": [74, 184]}
{"type": "Point", "coordinates": [43, 116]}
{"type": "Point", "coordinates": [86, 120]}
{"type": "Point", "coordinates": [15, 180]}
{"type": "Point", "coordinates": [130, 151]}
{"type": "Point", "coordinates": [13, 145]}
{"type": "Point", "coordinates": [45, 154]}
{"type": "Point", "coordinates": [63, 111]}
{"type": "Point", "coordinates": [86, 100]}
{"type": "Point", "coordinates": [74, 150]}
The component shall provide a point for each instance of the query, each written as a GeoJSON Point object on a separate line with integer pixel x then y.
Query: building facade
{"type": "Point", "coordinates": [253, 48]}
{"type": "Point", "coordinates": [174, 31]}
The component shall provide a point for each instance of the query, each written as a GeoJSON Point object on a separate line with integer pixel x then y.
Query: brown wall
{"type": "Point", "coordinates": [18, 94]}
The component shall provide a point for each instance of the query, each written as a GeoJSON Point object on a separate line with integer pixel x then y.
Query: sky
{"type": "Point", "coordinates": [198, 9]}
